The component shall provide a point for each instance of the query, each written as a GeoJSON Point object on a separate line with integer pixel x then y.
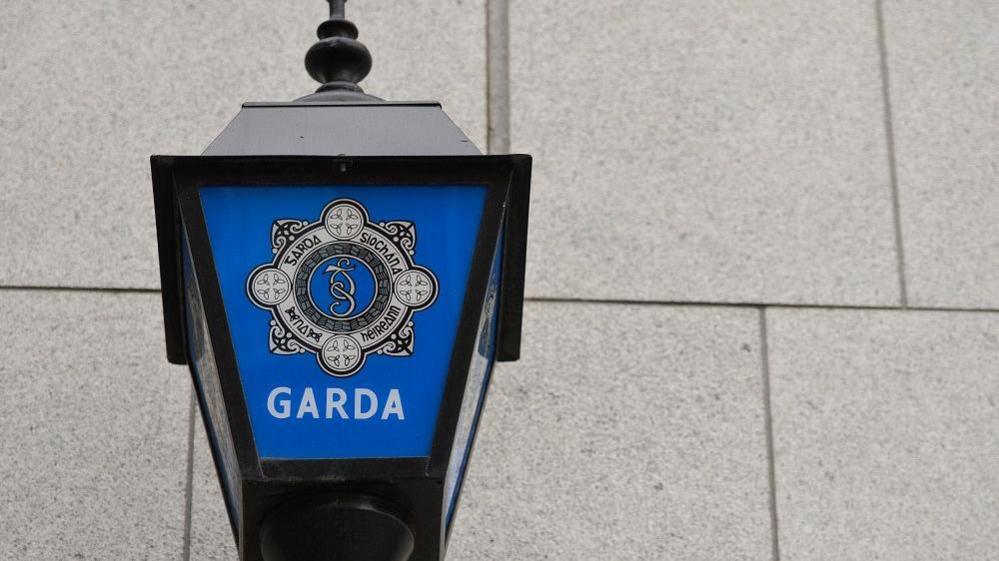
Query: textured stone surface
{"type": "Point", "coordinates": [211, 533]}
{"type": "Point", "coordinates": [624, 433]}
{"type": "Point", "coordinates": [686, 150]}
{"type": "Point", "coordinates": [884, 426]}
{"type": "Point", "coordinates": [92, 437]}
{"type": "Point", "coordinates": [428, 50]}
{"type": "Point", "coordinates": [944, 63]}
{"type": "Point", "coordinates": [89, 93]}
{"type": "Point", "coordinates": [691, 150]}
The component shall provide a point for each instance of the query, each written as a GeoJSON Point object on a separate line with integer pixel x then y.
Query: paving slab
{"type": "Point", "coordinates": [211, 533]}
{"type": "Point", "coordinates": [691, 150]}
{"type": "Point", "coordinates": [428, 50]}
{"type": "Point", "coordinates": [624, 433]}
{"type": "Point", "coordinates": [93, 439]}
{"type": "Point", "coordinates": [884, 429]}
{"type": "Point", "coordinates": [89, 94]}
{"type": "Point", "coordinates": [944, 66]}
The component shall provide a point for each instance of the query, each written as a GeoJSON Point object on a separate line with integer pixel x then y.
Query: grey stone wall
{"type": "Point", "coordinates": [786, 213]}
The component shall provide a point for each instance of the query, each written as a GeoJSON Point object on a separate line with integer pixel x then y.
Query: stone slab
{"type": "Point", "coordinates": [93, 441]}
{"type": "Point", "coordinates": [944, 66]}
{"type": "Point", "coordinates": [704, 151]}
{"type": "Point", "coordinates": [90, 93]}
{"type": "Point", "coordinates": [624, 433]}
{"type": "Point", "coordinates": [884, 428]}
{"type": "Point", "coordinates": [429, 50]}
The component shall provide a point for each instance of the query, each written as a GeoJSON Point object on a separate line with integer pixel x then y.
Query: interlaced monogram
{"type": "Point", "coordinates": [341, 287]}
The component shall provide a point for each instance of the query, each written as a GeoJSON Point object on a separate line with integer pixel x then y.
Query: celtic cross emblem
{"type": "Point", "coordinates": [342, 288]}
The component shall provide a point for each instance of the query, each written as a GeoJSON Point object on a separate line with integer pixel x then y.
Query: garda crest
{"type": "Point", "coordinates": [342, 288]}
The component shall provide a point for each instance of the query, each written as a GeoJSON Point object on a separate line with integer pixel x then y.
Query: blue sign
{"type": "Point", "coordinates": [343, 305]}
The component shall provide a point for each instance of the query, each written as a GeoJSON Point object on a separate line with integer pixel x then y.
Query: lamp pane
{"type": "Point", "coordinates": [343, 304]}
{"type": "Point", "coordinates": [480, 369]}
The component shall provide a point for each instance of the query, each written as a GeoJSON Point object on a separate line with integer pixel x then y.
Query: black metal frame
{"type": "Point", "coordinates": [416, 484]}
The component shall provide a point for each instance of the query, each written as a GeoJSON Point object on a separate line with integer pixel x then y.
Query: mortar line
{"type": "Point", "coordinates": [754, 305]}
{"type": "Point", "coordinates": [497, 76]}
{"type": "Point", "coordinates": [618, 301]}
{"type": "Point", "coordinates": [189, 485]}
{"type": "Point", "coordinates": [622, 302]}
{"type": "Point", "coordinates": [113, 290]}
{"type": "Point", "coordinates": [769, 427]}
{"type": "Point", "coordinates": [890, 145]}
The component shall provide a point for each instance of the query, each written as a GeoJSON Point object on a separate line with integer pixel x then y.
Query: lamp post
{"type": "Point", "coordinates": [340, 274]}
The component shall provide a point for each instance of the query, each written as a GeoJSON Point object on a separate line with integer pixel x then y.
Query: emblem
{"type": "Point", "coordinates": [342, 288]}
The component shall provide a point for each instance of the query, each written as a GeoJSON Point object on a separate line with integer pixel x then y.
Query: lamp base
{"type": "Point", "coordinates": [336, 528]}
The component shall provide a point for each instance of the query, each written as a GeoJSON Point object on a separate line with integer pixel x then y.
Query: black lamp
{"type": "Point", "coordinates": [340, 273]}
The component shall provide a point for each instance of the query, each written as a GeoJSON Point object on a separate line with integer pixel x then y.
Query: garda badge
{"type": "Point", "coordinates": [342, 288]}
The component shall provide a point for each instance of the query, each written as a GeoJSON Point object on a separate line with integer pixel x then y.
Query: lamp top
{"type": "Point", "coordinates": [338, 60]}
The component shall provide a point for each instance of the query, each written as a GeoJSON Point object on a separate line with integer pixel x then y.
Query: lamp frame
{"type": "Point", "coordinates": [415, 483]}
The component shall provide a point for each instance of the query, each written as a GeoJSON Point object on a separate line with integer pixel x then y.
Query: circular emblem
{"type": "Point", "coordinates": [269, 286]}
{"type": "Point", "coordinates": [344, 220]}
{"type": "Point", "coordinates": [342, 288]}
{"type": "Point", "coordinates": [416, 288]}
{"type": "Point", "coordinates": [341, 355]}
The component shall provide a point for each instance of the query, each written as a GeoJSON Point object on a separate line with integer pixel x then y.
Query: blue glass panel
{"type": "Point", "coordinates": [475, 385]}
{"type": "Point", "coordinates": [206, 376]}
{"type": "Point", "coordinates": [343, 304]}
